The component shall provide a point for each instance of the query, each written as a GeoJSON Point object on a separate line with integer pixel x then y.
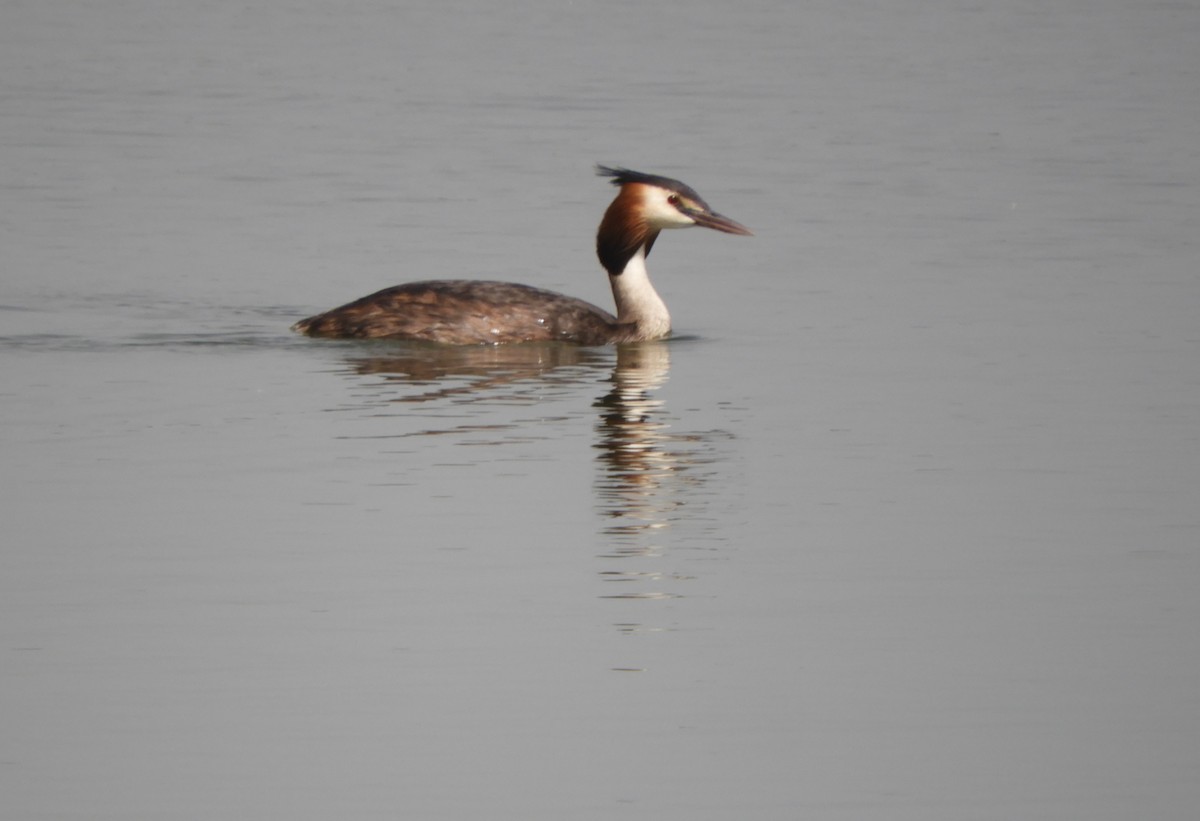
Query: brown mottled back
{"type": "Point", "coordinates": [466, 312]}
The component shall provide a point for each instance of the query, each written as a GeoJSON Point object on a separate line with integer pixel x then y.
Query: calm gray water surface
{"type": "Point", "coordinates": [902, 525]}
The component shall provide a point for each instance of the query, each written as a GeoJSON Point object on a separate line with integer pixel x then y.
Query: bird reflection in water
{"type": "Point", "coordinates": [649, 488]}
{"type": "Point", "coordinates": [647, 474]}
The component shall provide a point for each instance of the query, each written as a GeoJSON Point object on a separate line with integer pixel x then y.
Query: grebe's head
{"type": "Point", "coordinates": [666, 203]}
{"type": "Point", "coordinates": [647, 204]}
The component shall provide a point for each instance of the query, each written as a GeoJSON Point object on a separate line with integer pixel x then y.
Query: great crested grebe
{"type": "Point", "coordinates": [471, 312]}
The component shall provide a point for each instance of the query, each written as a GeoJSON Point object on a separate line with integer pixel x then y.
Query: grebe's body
{"type": "Point", "coordinates": [470, 312]}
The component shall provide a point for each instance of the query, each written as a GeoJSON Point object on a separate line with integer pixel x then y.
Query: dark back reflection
{"type": "Point", "coordinates": [494, 372]}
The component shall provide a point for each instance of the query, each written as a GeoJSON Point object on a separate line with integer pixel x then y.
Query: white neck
{"type": "Point", "coordinates": [638, 304]}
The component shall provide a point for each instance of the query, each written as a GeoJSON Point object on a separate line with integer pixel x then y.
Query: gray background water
{"type": "Point", "coordinates": [904, 524]}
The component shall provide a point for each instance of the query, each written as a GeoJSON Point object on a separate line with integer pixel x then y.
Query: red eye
{"type": "Point", "coordinates": [673, 199]}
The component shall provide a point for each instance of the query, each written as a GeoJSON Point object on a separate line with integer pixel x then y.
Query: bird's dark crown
{"type": "Point", "coordinates": [622, 176]}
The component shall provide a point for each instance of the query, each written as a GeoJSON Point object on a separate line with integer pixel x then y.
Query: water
{"type": "Point", "coordinates": [903, 523]}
